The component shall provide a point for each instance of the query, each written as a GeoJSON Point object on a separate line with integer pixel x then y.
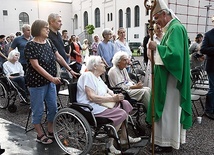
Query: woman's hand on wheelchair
{"type": "Point", "coordinates": [74, 74]}
{"type": "Point", "coordinates": [56, 80]}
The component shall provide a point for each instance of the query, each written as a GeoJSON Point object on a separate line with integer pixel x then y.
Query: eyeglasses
{"type": "Point", "coordinates": [46, 27]}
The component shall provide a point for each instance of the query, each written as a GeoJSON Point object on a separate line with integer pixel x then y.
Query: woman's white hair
{"type": "Point", "coordinates": [12, 54]}
{"type": "Point", "coordinates": [92, 61]}
{"type": "Point", "coordinates": [106, 31]}
{"type": "Point", "coordinates": [85, 40]}
{"type": "Point", "coordinates": [117, 57]}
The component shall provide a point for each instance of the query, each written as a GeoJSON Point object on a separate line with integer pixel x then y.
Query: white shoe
{"type": "Point", "coordinates": [113, 150]}
{"type": "Point", "coordinates": [131, 140]}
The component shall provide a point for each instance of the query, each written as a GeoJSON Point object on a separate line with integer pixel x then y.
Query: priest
{"type": "Point", "coordinates": [172, 98]}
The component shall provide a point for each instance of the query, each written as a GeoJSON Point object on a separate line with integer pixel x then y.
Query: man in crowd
{"type": "Point", "coordinates": [55, 23]}
{"type": "Point", "coordinates": [20, 43]}
{"type": "Point", "coordinates": [208, 49]}
{"type": "Point", "coordinates": [66, 45]}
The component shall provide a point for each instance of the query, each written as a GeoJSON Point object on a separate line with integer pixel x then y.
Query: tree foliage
{"type": "Point", "coordinates": [90, 29]}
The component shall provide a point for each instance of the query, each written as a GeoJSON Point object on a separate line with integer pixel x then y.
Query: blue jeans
{"type": "Point", "coordinates": [209, 106]}
{"type": "Point", "coordinates": [38, 95]}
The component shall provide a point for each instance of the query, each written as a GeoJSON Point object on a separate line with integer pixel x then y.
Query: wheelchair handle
{"type": "Point", "coordinates": [64, 81]}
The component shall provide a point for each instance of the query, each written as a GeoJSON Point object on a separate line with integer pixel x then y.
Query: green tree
{"type": "Point", "coordinates": [90, 29]}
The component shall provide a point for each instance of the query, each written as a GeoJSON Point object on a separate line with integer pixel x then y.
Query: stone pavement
{"type": "Point", "coordinates": [16, 142]}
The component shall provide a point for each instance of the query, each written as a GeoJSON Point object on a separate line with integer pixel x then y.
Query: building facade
{"type": "Point", "coordinates": [130, 14]}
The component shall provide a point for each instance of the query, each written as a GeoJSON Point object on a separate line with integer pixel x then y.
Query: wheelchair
{"type": "Point", "coordinates": [9, 91]}
{"type": "Point", "coordinates": [139, 110]}
{"type": "Point", "coordinates": [76, 129]}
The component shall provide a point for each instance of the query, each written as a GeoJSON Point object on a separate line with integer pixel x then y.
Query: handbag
{"type": "Point", "coordinates": [109, 105]}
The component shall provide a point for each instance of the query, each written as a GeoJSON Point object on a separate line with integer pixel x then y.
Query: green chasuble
{"type": "Point", "coordinates": [174, 53]}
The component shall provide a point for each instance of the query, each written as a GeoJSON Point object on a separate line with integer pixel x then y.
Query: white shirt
{"type": "Point", "coordinates": [10, 68]}
{"type": "Point", "coordinates": [120, 46]}
{"type": "Point", "coordinates": [90, 80]}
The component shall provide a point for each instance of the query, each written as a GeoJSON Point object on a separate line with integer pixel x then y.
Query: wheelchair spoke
{"type": "Point", "coordinates": [72, 132]}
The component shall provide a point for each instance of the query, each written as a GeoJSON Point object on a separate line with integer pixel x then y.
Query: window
{"type": "Point", "coordinates": [147, 12]}
{"type": "Point", "coordinates": [136, 16]}
{"type": "Point", "coordinates": [75, 21]}
{"type": "Point", "coordinates": [136, 36]}
{"type": "Point", "coordinates": [23, 19]}
{"type": "Point", "coordinates": [85, 19]}
{"type": "Point", "coordinates": [128, 17]}
{"type": "Point", "coordinates": [108, 17]}
{"type": "Point", "coordinates": [111, 16]}
{"type": "Point", "coordinates": [5, 13]}
{"type": "Point", "coordinates": [120, 18]}
{"type": "Point", "coordinates": [97, 17]}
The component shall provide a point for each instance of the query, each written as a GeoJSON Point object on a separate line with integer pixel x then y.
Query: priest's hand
{"type": "Point", "coordinates": [152, 45]}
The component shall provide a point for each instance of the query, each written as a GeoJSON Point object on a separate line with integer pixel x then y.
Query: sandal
{"type": "Point", "coordinates": [44, 139]}
{"type": "Point", "coordinates": [131, 140]}
{"type": "Point", "coordinates": [113, 150]}
{"type": "Point", "coordinates": [50, 135]}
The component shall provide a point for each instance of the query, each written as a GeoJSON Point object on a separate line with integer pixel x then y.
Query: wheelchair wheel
{"type": "Point", "coordinates": [12, 108]}
{"type": "Point", "coordinates": [138, 111]}
{"type": "Point", "coordinates": [4, 96]}
{"type": "Point", "coordinates": [72, 132]}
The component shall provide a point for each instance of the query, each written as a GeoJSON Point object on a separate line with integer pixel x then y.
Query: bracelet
{"type": "Point", "coordinates": [70, 70]}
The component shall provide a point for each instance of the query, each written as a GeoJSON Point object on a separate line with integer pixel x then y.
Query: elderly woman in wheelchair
{"type": "Point", "coordinates": [93, 91]}
{"type": "Point", "coordinates": [14, 70]}
{"type": "Point", "coordinates": [118, 77]}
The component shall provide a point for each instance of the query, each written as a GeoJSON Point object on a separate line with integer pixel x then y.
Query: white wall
{"type": "Point", "coordinates": [35, 9]}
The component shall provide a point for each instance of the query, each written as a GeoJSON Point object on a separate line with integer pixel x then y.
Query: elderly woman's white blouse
{"type": "Point", "coordinates": [10, 68]}
{"type": "Point", "coordinates": [100, 88]}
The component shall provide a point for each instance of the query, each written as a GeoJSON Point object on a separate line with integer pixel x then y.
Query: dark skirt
{"type": "Point", "coordinates": [117, 114]}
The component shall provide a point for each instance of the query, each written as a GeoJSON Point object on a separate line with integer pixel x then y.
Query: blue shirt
{"type": "Point", "coordinates": [106, 50]}
{"type": "Point", "coordinates": [20, 43]}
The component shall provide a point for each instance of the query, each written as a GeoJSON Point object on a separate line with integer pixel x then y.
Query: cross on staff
{"type": "Point", "coordinates": [150, 5]}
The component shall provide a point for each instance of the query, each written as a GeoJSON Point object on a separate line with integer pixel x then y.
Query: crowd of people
{"type": "Point", "coordinates": [33, 59]}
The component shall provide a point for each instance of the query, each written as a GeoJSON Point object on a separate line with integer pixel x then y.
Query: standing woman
{"type": "Point", "coordinates": [122, 45]}
{"type": "Point", "coordinates": [76, 49]}
{"type": "Point", "coordinates": [41, 56]}
{"type": "Point", "coordinates": [85, 50]}
{"type": "Point", "coordinates": [76, 52]}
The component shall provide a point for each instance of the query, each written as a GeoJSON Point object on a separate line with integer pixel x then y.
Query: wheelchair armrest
{"type": "Point", "coordinates": [116, 90]}
{"type": "Point", "coordinates": [87, 114]}
{"type": "Point", "coordinates": [83, 105]}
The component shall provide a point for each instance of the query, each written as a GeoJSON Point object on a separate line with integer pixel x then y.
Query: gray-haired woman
{"type": "Point", "coordinates": [118, 76]}
{"type": "Point", "coordinates": [14, 71]}
{"type": "Point", "coordinates": [93, 91]}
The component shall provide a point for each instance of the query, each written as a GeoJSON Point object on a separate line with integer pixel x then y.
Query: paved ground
{"type": "Point", "coordinates": [16, 142]}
